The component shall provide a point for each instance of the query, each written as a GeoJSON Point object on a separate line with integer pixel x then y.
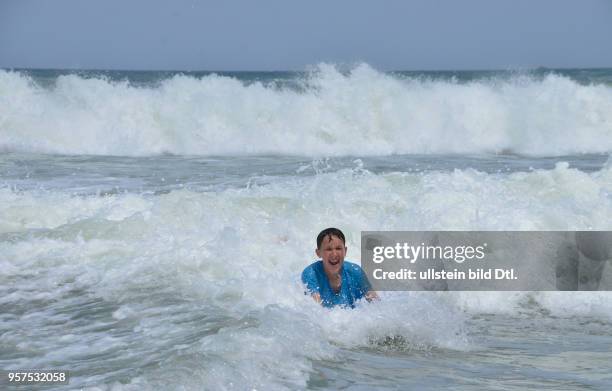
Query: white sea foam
{"type": "Point", "coordinates": [363, 112]}
{"type": "Point", "coordinates": [265, 228]}
{"type": "Point", "coordinates": [236, 255]}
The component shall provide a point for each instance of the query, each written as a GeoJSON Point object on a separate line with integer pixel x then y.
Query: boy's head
{"type": "Point", "coordinates": [331, 249]}
{"type": "Point", "coordinates": [327, 234]}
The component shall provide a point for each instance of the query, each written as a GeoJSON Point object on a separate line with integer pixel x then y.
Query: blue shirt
{"type": "Point", "coordinates": [354, 286]}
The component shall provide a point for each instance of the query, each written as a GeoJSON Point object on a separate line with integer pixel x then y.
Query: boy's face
{"type": "Point", "coordinates": [332, 252]}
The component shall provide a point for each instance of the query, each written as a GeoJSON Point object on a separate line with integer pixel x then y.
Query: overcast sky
{"type": "Point", "coordinates": [290, 35]}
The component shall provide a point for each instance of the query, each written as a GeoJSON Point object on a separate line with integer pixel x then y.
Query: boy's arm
{"type": "Point", "coordinates": [309, 279]}
{"type": "Point", "coordinates": [370, 294]}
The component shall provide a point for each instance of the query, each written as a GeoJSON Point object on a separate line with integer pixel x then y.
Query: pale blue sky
{"type": "Point", "coordinates": [290, 35]}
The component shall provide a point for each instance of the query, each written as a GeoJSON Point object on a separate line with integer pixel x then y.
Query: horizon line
{"type": "Point", "coordinates": [507, 69]}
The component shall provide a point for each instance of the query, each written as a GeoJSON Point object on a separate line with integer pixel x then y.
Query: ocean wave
{"type": "Point", "coordinates": [333, 113]}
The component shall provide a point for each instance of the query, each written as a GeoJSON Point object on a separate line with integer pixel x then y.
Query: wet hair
{"type": "Point", "coordinates": [329, 232]}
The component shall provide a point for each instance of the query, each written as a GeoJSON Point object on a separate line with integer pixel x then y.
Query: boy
{"type": "Point", "coordinates": [331, 281]}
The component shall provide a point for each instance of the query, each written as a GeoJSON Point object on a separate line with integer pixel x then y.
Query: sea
{"type": "Point", "coordinates": [154, 225]}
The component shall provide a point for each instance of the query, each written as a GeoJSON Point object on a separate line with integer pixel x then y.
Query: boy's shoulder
{"type": "Point", "coordinates": [312, 268]}
{"type": "Point", "coordinates": [315, 265]}
{"type": "Point", "coordinates": [352, 267]}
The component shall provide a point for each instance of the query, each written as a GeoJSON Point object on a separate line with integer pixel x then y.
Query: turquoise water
{"type": "Point", "coordinates": [107, 175]}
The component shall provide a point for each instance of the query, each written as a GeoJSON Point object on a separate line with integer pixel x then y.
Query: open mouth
{"type": "Point", "coordinates": [334, 263]}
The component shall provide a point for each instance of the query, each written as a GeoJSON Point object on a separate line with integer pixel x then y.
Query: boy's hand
{"type": "Point", "coordinates": [371, 295]}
